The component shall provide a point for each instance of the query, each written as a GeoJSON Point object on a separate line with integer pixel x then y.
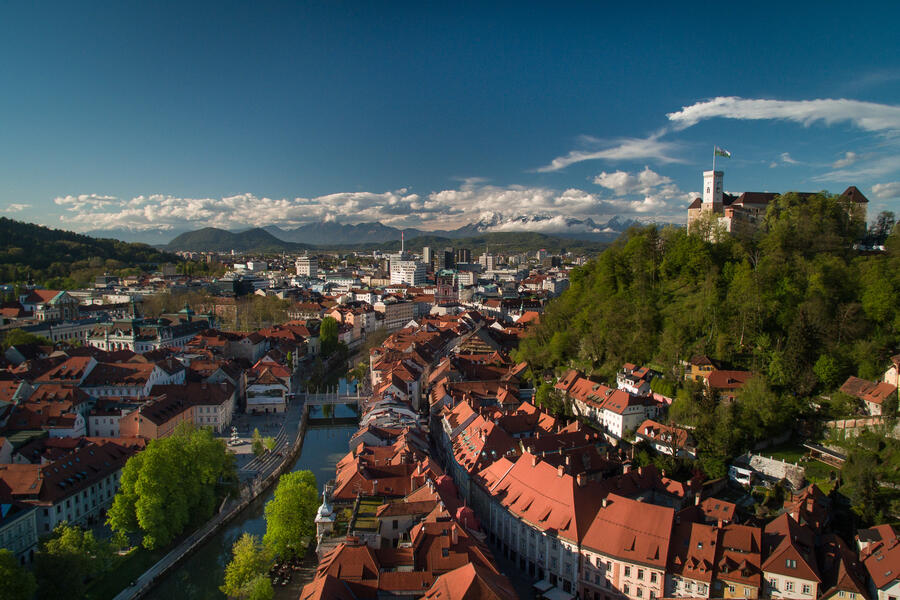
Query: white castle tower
{"type": "Point", "coordinates": [712, 191]}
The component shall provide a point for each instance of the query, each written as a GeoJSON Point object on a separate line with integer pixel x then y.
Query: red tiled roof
{"type": "Point", "coordinates": [633, 531]}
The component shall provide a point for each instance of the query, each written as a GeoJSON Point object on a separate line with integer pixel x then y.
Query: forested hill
{"type": "Point", "coordinates": [28, 250]}
{"type": "Point", "coordinates": [211, 239]}
{"type": "Point", "coordinates": [794, 302]}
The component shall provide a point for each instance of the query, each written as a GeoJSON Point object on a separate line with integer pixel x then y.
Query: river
{"type": "Point", "coordinates": [199, 576]}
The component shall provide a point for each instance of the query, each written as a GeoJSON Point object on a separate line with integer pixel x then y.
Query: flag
{"type": "Point", "coordinates": [722, 152]}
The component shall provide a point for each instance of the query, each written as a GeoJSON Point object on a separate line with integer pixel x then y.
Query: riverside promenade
{"type": "Point", "coordinates": [267, 471]}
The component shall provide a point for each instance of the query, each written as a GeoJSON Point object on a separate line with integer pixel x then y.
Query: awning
{"type": "Point", "coordinates": [557, 594]}
{"type": "Point", "coordinates": [542, 586]}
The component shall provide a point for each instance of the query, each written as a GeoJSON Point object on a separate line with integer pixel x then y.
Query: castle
{"type": "Point", "coordinates": [745, 212]}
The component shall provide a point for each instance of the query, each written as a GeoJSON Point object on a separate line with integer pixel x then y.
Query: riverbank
{"type": "Point", "coordinates": [230, 509]}
{"type": "Point", "coordinates": [200, 574]}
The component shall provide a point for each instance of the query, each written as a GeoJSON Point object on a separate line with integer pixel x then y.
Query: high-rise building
{"type": "Point", "coordinates": [427, 255]}
{"type": "Point", "coordinates": [307, 266]}
{"type": "Point", "coordinates": [410, 272]}
{"type": "Point", "coordinates": [463, 255]}
{"type": "Point", "coordinates": [445, 260]}
{"type": "Point", "coordinates": [487, 261]}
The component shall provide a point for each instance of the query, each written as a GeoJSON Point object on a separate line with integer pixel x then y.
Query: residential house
{"type": "Point", "coordinates": [871, 394]}
{"type": "Point", "coordinates": [880, 553]}
{"type": "Point", "coordinates": [790, 569]}
{"type": "Point", "coordinates": [667, 439]}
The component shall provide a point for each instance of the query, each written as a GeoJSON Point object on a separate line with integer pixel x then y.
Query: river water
{"type": "Point", "coordinates": [199, 576]}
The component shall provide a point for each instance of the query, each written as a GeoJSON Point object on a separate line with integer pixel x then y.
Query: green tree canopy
{"type": "Point", "coordinates": [246, 576]}
{"type": "Point", "coordinates": [328, 336]}
{"type": "Point", "coordinates": [290, 515]}
{"type": "Point", "coordinates": [66, 559]}
{"type": "Point", "coordinates": [16, 582]}
{"type": "Point", "coordinates": [18, 337]}
{"type": "Point", "coordinates": [171, 484]}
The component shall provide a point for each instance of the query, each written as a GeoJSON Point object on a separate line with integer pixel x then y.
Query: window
{"type": "Point", "coordinates": [395, 524]}
{"type": "Point", "coordinates": [652, 577]}
{"type": "Point", "coordinates": [730, 588]}
{"type": "Point", "coordinates": [599, 562]}
{"type": "Point", "coordinates": [773, 583]}
{"type": "Point", "coordinates": [640, 574]}
{"type": "Point", "coordinates": [627, 573]}
{"type": "Point", "coordinates": [640, 592]}
{"type": "Point", "coordinates": [625, 589]}
{"type": "Point", "coordinates": [807, 589]}
{"type": "Point", "coordinates": [790, 563]}
{"type": "Point", "coordinates": [788, 586]}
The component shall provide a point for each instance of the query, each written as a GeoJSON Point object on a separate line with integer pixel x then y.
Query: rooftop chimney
{"type": "Point", "coordinates": [454, 535]}
{"type": "Point", "coordinates": [534, 460]}
{"type": "Point", "coordinates": [560, 471]}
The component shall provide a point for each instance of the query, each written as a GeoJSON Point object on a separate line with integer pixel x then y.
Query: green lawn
{"type": "Point", "coordinates": [790, 452]}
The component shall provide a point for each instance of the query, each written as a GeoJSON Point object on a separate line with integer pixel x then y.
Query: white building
{"type": "Point", "coordinates": [307, 266]}
{"type": "Point", "coordinates": [410, 272]}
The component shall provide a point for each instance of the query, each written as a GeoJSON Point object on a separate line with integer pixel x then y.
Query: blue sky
{"type": "Point", "coordinates": [159, 116]}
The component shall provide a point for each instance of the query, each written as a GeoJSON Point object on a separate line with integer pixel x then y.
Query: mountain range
{"type": "Point", "coordinates": [332, 233]}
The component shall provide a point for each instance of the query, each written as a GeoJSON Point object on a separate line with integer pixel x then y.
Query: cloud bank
{"type": "Point", "coordinates": [641, 193]}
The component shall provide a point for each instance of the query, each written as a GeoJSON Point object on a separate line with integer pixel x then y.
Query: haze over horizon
{"type": "Point", "coordinates": [169, 117]}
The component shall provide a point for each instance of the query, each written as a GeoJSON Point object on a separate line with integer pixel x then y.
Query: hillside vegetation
{"type": "Point", "coordinates": [63, 258]}
{"type": "Point", "coordinates": [211, 239]}
{"type": "Point", "coordinates": [794, 303]}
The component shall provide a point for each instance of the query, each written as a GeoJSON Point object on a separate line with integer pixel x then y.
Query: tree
{"type": "Point", "coordinates": [174, 482]}
{"type": "Point", "coordinates": [66, 559]}
{"type": "Point", "coordinates": [882, 227]}
{"type": "Point", "coordinates": [762, 411]}
{"type": "Point", "coordinates": [828, 371]}
{"type": "Point", "coordinates": [269, 443]}
{"type": "Point", "coordinates": [290, 515]}
{"type": "Point", "coordinates": [328, 336]}
{"type": "Point", "coordinates": [246, 575]}
{"type": "Point", "coordinates": [257, 443]}
{"type": "Point", "coordinates": [16, 582]}
{"type": "Point", "coordinates": [19, 337]}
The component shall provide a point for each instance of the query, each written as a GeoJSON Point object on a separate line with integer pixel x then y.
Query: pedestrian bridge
{"type": "Point", "coordinates": [332, 398]}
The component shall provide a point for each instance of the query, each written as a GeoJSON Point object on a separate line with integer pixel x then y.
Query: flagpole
{"type": "Point", "coordinates": [714, 159]}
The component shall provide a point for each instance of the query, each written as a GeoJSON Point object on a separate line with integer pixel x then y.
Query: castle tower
{"type": "Point", "coordinates": [712, 191]}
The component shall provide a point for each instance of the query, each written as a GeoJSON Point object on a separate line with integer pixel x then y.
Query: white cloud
{"type": "Point", "coordinates": [13, 208]}
{"type": "Point", "coordinates": [886, 191]}
{"type": "Point", "coordinates": [444, 209]}
{"type": "Point", "coordinates": [83, 201]}
{"type": "Point", "coordinates": [848, 159]}
{"type": "Point", "coordinates": [887, 164]}
{"type": "Point", "coordinates": [623, 183]}
{"type": "Point", "coordinates": [786, 158]}
{"type": "Point", "coordinates": [868, 116]}
{"type": "Point", "coordinates": [622, 149]}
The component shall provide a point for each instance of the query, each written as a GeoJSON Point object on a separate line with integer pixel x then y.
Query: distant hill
{"type": "Point", "coordinates": [37, 247]}
{"type": "Point", "coordinates": [211, 239]}
{"type": "Point", "coordinates": [339, 234]}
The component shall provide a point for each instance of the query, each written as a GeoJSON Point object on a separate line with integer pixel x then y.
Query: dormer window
{"type": "Point", "coordinates": [790, 563]}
